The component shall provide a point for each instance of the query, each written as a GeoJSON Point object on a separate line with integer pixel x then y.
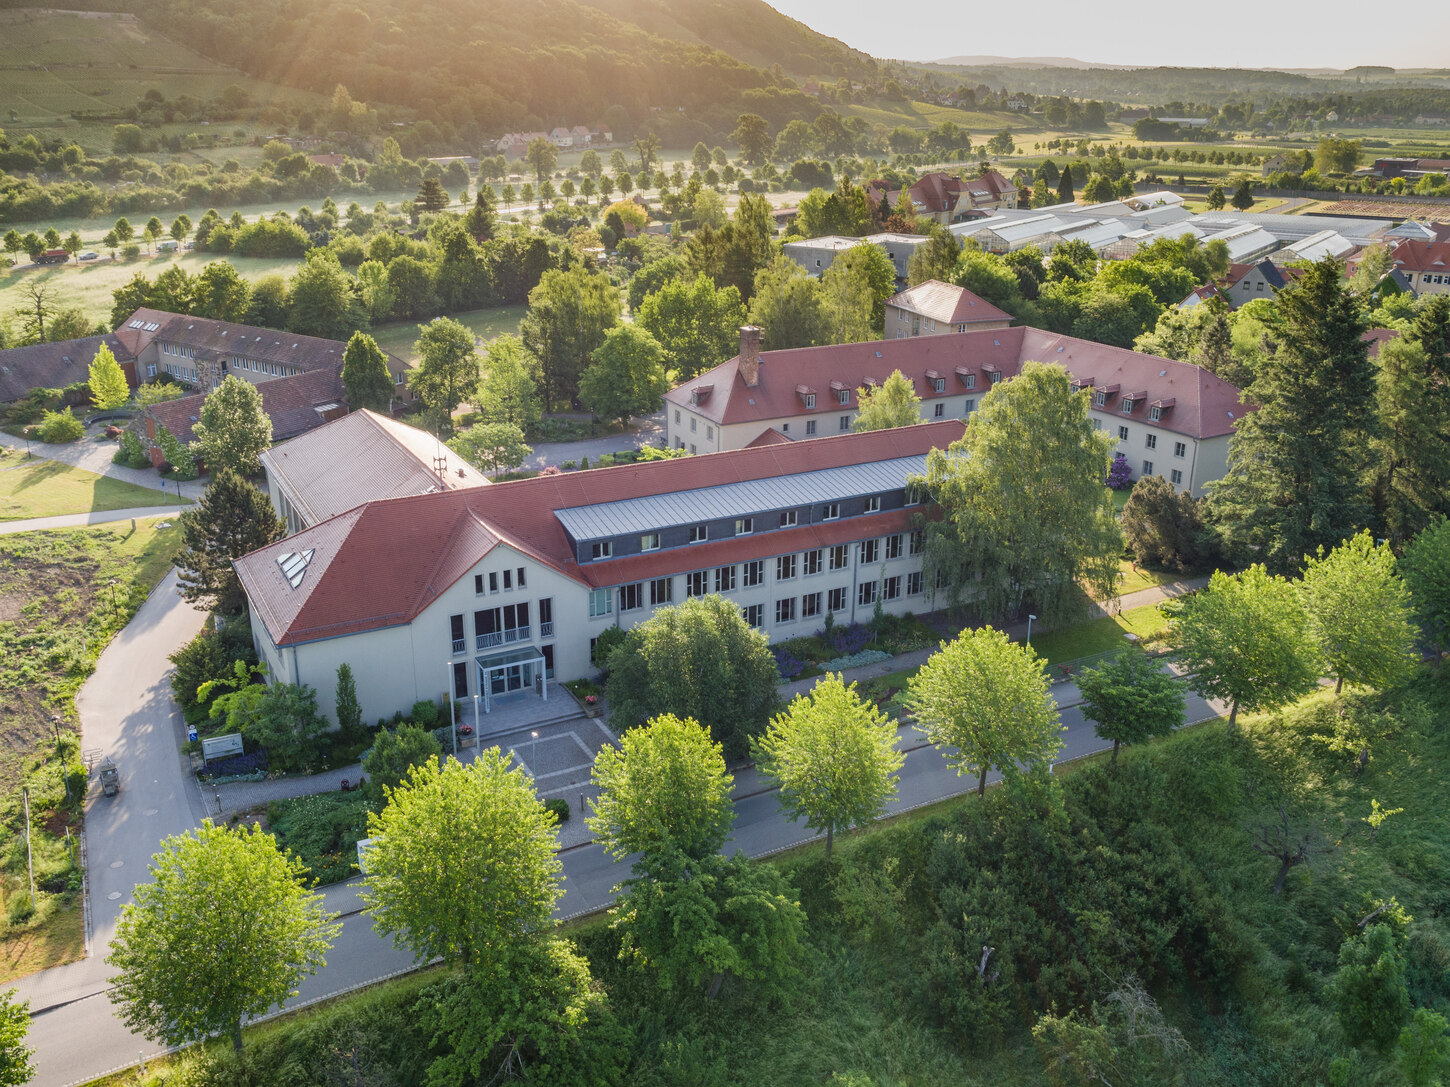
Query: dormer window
{"type": "Point", "coordinates": [873, 504]}
{"type": "Point", "coordinates": [1155, 413]}
{"type": "Point", "coordinates": [994, 377]}
{"type": "Point", "coordinates": [843, 396]}
{"type": "Point", "coordinates": [1100, 398]}
{"type": "Point", "coordinates": [938, 385]}
{"type": "Point", "coordinates": [788, 519]}
{"type": "Point", "coordinates": [1127, 405]}
{"type": "Point", "coordinates": [744, 526]}
{"type": "Point", "coordinates": [810, 399]}
{"type": "Point", "coordinates": [699, 533]}
{"type": "Point", "coordinates": [601, 549]}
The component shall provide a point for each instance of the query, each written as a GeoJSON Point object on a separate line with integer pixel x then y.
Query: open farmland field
{"type": "Point", "coordinates": [485, 324]}
{"type": "Point", "coordinates": [1383, 210]}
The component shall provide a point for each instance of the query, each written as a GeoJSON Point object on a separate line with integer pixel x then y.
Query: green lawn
{"type": "Point", "coordinates": [486, 324]}
{"type": "Point", "coordinates": [47, 488]}
{"type": "Point", "coordinates": [1097, 635]}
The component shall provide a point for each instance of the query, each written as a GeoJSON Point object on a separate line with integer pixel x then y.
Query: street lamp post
{"type": "Point", "coordinates": [1030, 617]}
{"type": "Point", "coordinates": [533, 754]}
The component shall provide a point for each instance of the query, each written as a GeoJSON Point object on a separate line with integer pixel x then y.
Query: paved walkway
{"type": "Point", "coordinates": [94, 453]}
{"type": "Point", "coordinates": [649, 430]}
{"type": "Point", "coordinates": [81, 520]}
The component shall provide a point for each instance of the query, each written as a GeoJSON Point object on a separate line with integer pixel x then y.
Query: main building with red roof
{"type": "Point", "coordinates": [1172, 418]}
{"type": "Point", "coordinates": [487, 590]}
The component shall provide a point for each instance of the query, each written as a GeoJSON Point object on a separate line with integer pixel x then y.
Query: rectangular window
{"type": "Point", "coordinates": [811, 562]}
{"type": "Point", "coordinates": [600, 549]}
{"type": "Point", "coordinates": [785, 610]}
{"type": "Point", "coordinates": [913, 583]}
{"type": "Point", "coordinates": [893, 546]}
{"type": "Point", "coordinates": [508, 580]}
{"type": "Point", "coordinates": [994, 377]}
{"type": "Point", "coordinates": [891, 588]}
{"type": "Point", "coordinates": [830, 511]}
{"type": "Point", "coordinates": [699, 533]}
{"type": "Point", "coordinates": [873, 504]}
{"type": "Point", "coordinates": [836, 600]}
{"type": "Point", "coordinates": [971, 407]}
{"type": "Point", "coordinates": [1155, 413]}
{"type": "Point", "coordinates": [844, 424]}
{"type": "Point", "coordinates": [843, 396]}
{"type": "Point", "coordinates": [754, 614]}
{"type": "Point", "coordinates": [709, 434]}
{"type": "Point", "coordinates": [866, 593]}
{"type": "Point", "coordinates": [460, 680]}
{"type": "Point", "coordinates": [601, 602]}
{"type": "Point", "coordinates": [546, 617]}
{"type": "Point", "coordinates": [1100, 398]}
{"type": "Point", "coordinates": [938, 385]}
{"type": "Point", "coordinates": [840, 557]}
{"type": "Point", "coordinates": [784, 567]}
{"type": "Point", "coordinates": [661, 591]}
{"type": "Point", "coordinates": [1179, 448]}
{"type": "Point", "coordinates": [1151, 441]}
{"type": "Point", "coordinates": [677, 417]}
{"type": "Point", "coordinates": [785, 428]}
{"type": "Point", "coordinates": [744, 526]}
{"type": "Point", "coordinates": [1122, 433]}
{"type": "Point", "coordinates": [918, 541]}
{"type": "Point", "coordinates": [724, 579]}
{"type": "Point", "coordinates": [520, 572]}
{"type": "Point", "coordinates": [455, 631]}
{"type": "Point", "coordinates": [939, 411]}
{"type": "Point", "coordinates": [631, 597]}
{"type": "Point", "coordinates": [650, 541]}
{"type": "Point", "coordinates": [693, 424]}
{"type": "Point", "coordinates": [697, 584]}
{"type": "Point", "coordinates": [478, 584]}
{"type": "Point", "coordinates": [810, 605]}
{"type": "Point", "coordinates": [788, 519]}
{"type": "Point", "coordinates": [970, 380]}
{"type": "Point", "coordinates": [752, 573]}
{"type": "Point", "coordinates": [870, 551]}
{"type": "Point", "coordinates": [810, 428]}
{"type": "Point", "coordinates": [1147, 467]}
{"type": "Point", "coordinates": [1127, 408]}
{"type": "Point", "coordinates": [810, 400]}
{"type": "Point", "coordinates": [1176, 476]}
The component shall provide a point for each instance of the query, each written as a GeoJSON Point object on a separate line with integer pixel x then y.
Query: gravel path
{"type": "Point", "coordinates": [649, 430]}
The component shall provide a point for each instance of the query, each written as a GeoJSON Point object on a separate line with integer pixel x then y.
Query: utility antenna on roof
{"type": "Point", "coordinates": [440, 460]}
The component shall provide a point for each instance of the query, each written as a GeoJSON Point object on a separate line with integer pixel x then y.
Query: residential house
{"type": "Point", "coordinates": [489, 593]}
{"type": "Point", "coordinates": [1421, 267]}
{"type": "Point", "coordinates": [1411, 169]}
{"type": "Point", "coordinates": [58, 364]}
{"type": "Point", "coordinates": [1246, 282]}
{"type": "Point", "coordinates": [936, 308]}
{"type": "Point", "coordinates": [946, 199]}
{"type": "Point", "coordinates": [815, 255]}
{"type": "Point", "coordinates": [359, 457]}
{"type": "Point", "coordinates": [1172, 418]}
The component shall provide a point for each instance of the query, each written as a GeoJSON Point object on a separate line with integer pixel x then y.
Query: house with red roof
{"type": "Point", "coordinates": [1422, 267]}
{"type": "Point", "coordinates": [934, 307]}
{"type": "Point", "coordinates": [1171, 418]}
{"type": "Point", "coordinates": [476, 594]}
{"type": "Point", "coordinates": [946, 199]}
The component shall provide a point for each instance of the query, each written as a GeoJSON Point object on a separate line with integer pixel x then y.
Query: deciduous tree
{"type": "Point", "coordinates": [752, 134]}
{"type": "Point", "coordinates": [396, 751]}
{"type": "Point", "coordinates": [233, 430]}
{"type": "Point", "coordinates": [1412, 469]}
{"type": "Point", "coordinates": [833, 755]}
{"type": "Point", "coordinates": [231, 907]}
{"type": "Point", "coordinates": [1359, 613]}
{"type": "Point", "coordinates": [447, 371]}
{"type": "Point", "coordinates": [492, 447]}
{"type": "Point", "coordinates": [1245, 639]}
{"type": "Point", "coordinates": [464, 865]}
{"type": "Point", "coordinates": [1427, 573]}
{"type": "Point", "coordinates": [787, 305]}
{"type": "Point", "coordinates": [695, 322]}
{"type": "Point", "coordinates": [1027, 515]}
{"type": "Point", "coordinates": [365, 375]}
{"type": "Point", "coordinates": [893, 404]}
{"type": "Point", "coordinates": [569, 314]}
{"type": "Point", "coordinates": [986, 697]}
{"type": "Point", "coordinates": [1130, 699]}
{"type": "Point", "coordinates": [508, 392]}
{"type": "Point", "coordinates": [627, 376]}
{"type": "Point", "coordinates": [107, 381]}
{"type": "Point", "coordinates": [232, 519]}
{"type": "Point", "coordinates": [1369, 990]}
{"type": "Point", "coordinates": [16, 1068]}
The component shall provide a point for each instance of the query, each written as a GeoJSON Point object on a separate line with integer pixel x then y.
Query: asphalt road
{"type": "Point", "coordinates": [127, 712]}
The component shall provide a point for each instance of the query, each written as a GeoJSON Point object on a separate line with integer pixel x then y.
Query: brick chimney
{"type": "Point", "coordinates": [750, 354]}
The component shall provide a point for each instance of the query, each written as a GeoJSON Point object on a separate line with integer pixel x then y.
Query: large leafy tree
{"type": "Point", "coordinates": [1163, 525]}
{"type": "Point", "coordinates": [752, 134]}
{"type": "Point", "coordinates": [508, 392]}
{"type": "Point", "coordinates": [1412, 477]}
{"type": "Point", "coordinates": [541, 154]}
{"type": "Point", "coordinates": [1245, 639]}
{"type": "Point", "coordinates": [787, 304]}
{"type": "Point", "coordinates": [395, 752]}
{"type": "Point", "coordinates": [464, 865]}
{"type": "Point", "coordinates": [937, 259]}
{"type": "Point", "coordinates": [833, 755]}
{"type": "Point", "coordinates": [1298, 465]}
{"type": "Point", "coordinates": [663, 790]}
{"type": "Point", "coordinates": [893, 404]}
{"type": "Point", "coordinates": [232, 519]}
{"type": "Point", "coordinates": [16, 1068]}
{"type": "Point", "coordinates": [985, 697]}
{"type": "Point", "coordinates": [233, 430]}
{"type": "Point", "coordinates": [698, 659]}
{"type": "Point", "coordinates": [1130, 699]}
{"type": "Point", "coordinates": [1359, 613]}
{"type": "Point", "coordinates": [870, 265]}
{"type": "Point", "coordinates": [323, 299]}
{"type": "Point", "coordinates": [107, 380]}
{"type": "Point", "coordinates": [1427, 573]}
{"type": "Point", "coordinates": [221, 293]}
{"type": "Point", "coordinates": [1026, 513]}
{"type": "Point", "coordinates": [365, 374]}
{"type": "Point", "coordinates": [846, 302]}
{"type": "Point", "coordinates": [569, 314]}
{"type": "Point", "coordinates": [695, 322]}
{"type": "Point", "coordinates": [493, 447]}
{"type": "Point", "coordinates": [627, 376]}
{"type": "Point", "coordinates": [225, 930]}
{"type": "Point", "coordinates": [447, 373]}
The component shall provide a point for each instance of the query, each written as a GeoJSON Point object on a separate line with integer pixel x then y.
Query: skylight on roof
{"type": "Point", "coordinates": [294, 565]}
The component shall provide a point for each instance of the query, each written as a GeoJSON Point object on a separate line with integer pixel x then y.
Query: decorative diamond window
{"type": "Point", "coordinates": [294, 565]}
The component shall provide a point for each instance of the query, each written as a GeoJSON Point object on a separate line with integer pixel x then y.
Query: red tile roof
{"type": "Point", "coordinates": [1204, 406]}
{"type": "Point", "coordinates": [54, 365]}
{"type": "Point", "coordinates": [381, 564]}
{"type": "Point", "coordinates": [290, 402]}
{"type": "Point", "coordinates": [767, 437]}
{"type": "Point", "coordinates": [1415, 256]}
{"type": "Point", "coordinates": [948, 303]}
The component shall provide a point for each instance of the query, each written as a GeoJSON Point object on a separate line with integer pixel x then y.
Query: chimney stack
{"type": "Point", "coordinates": [750, 354]}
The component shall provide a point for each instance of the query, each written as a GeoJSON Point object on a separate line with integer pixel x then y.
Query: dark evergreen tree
{"type": "Point", "coordinates": [480, 220]}
{"type": "Point", "coordinates": [1298, 465]}
{"type": "Point", "coordinates": [365, 375]}
{"type": "Point", "coordinates": [232, 519]}
{"type": "Point", "coordinates": [431, 195]}
{"type": "Point", "coordinates": [1064, 186]}
{"type": "Point", "coordinates": [1412, 480]}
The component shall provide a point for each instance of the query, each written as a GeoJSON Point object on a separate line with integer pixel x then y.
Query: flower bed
{"type": "Point", "coordinates": [237, 767]}
{"type": "Point", "coordinates": [855, 660]}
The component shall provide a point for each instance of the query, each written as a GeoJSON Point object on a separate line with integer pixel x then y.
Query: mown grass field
{"type": "Point", "coordinates": [486, 324]}
{"type": "Point", "coordinates": [47, 488]}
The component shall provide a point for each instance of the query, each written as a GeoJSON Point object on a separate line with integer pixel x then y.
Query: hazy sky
{"type": "Point", "coordinates": [1338, 35]}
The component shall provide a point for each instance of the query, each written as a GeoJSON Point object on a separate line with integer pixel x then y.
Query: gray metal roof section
{"type": "Point", "coordinates": [649, 514]}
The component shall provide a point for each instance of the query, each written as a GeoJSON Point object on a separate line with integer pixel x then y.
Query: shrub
{"type": "Point", "coordinates": [425, 714]}
{"type": "Point", "coordinates": [235, 765]}
{"type": "Point", "coordinates": [394, 753]}
{"type": "Point", "coordinates": [322, 830]}
{"type": "Point", "coordinates": [20, 908]}
{"type": "Point", "coordinates": [610, 639]}
{"type": "Point", "coordinates": [855, 660]}
{"type": "Point", "coordinates": [559, 807]}
{"type": "Point", "coordinates": [787, 663]}
{"type": "Point", "coordinates": [61, 426]}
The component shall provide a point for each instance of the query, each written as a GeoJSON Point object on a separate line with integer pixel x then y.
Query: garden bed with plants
{"type": "Point", "coordinates": [836, 648]}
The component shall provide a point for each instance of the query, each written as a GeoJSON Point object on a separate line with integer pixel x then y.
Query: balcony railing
{"type": "Point", "coordinates": [459, 644]}
{"type": "Point", "coordinates": [503, 637]}
{"type": "Point", "coordinates": [546, 630]}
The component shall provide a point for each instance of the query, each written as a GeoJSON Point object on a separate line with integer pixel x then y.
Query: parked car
{"type": "Point", "coordinates": [89, 254]}
{"type": "Point", "coordinates": [167, 246]}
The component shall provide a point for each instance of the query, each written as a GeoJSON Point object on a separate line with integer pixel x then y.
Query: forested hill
{"type": "Point", "coordinates": [506, 64]}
